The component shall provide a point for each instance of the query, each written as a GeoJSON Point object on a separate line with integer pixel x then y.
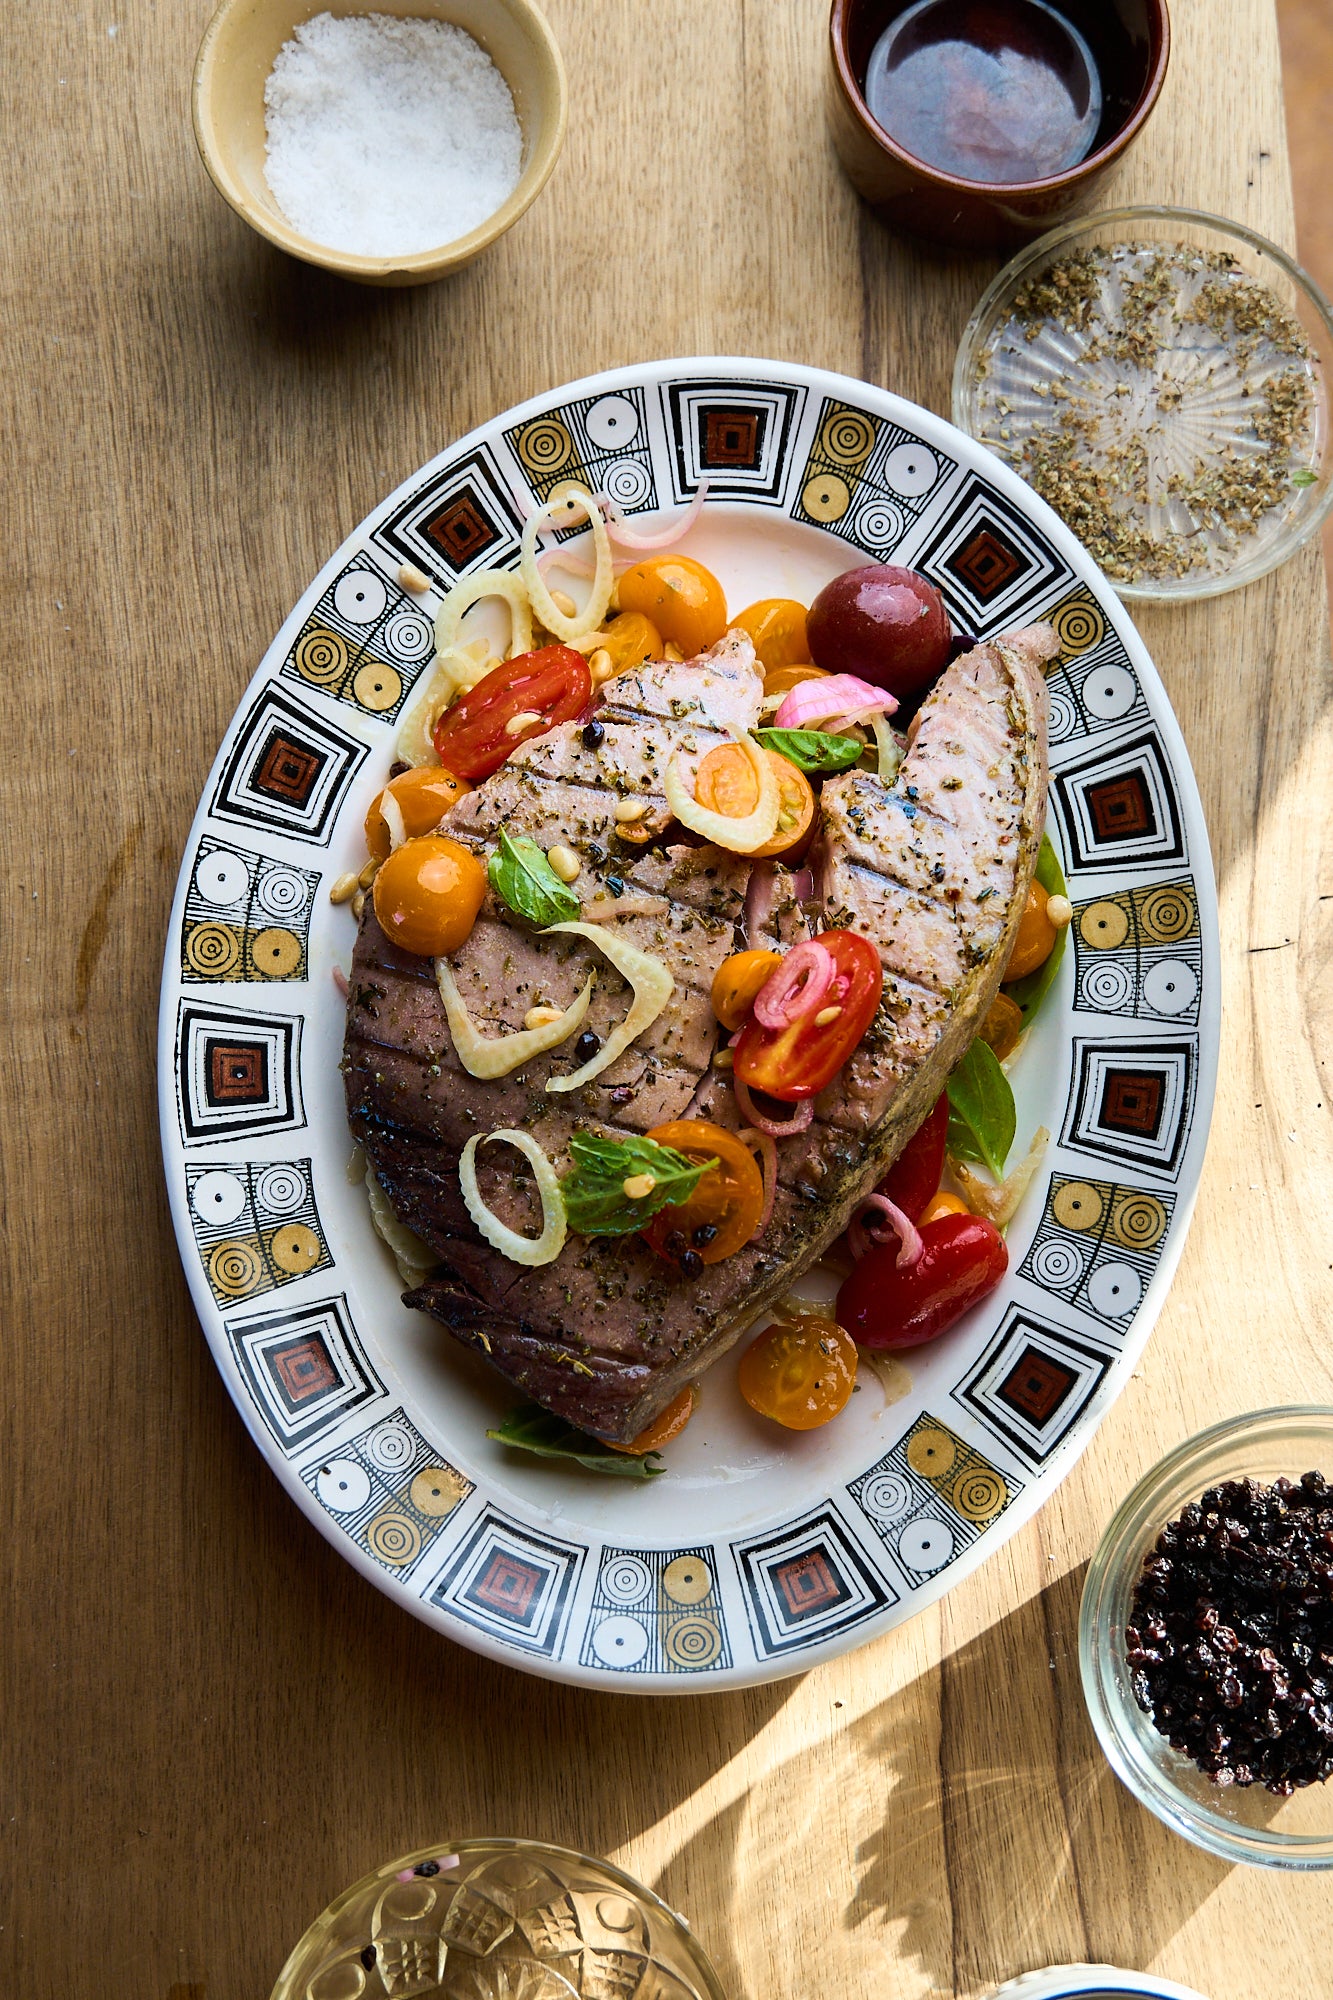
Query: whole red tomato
{"type": "Point", "coordinates": [887, 625]}
{"type": "Point", "coordinates": [962, 1258]}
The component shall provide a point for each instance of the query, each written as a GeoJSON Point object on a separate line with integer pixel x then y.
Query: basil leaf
{"type": "Point", "coordinates": [811, 749]}
{"type": "Point", "coordinates": [531, 1428]}
{"type": "Point", "coordinates": [1305, 477]}
{"type": "Point", "coordinates": [1028, 993]}
{"type": "Point", "coordinates": [981, 1110]}
{"type": "Point", "coordinates": [521, 876]}
{"type": "Point", "coordinates": [594, 1188]}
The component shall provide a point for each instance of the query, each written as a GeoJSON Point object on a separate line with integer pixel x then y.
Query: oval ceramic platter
{"type": "Point", "coordinates": [759, 1552]}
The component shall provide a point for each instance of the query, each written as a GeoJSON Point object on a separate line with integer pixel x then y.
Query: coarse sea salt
{"type": "Point", "coordinates": [387, 136]}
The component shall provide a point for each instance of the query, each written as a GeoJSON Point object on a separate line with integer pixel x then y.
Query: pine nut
{"type": "Point", "coordinates": [563, 602]}
{"type": "Point", "coordinates": [412, 578]}
{"type": "Point", "coordinates": [724, 1058]}
{"type": "Point", "coordinates": [564, 863]}
{"type": "Point", "coordinates": [1059, 911]}
{"type": "Point", "coordinates": [826, 1015]}
{"type": "Point", "coordinates": [344, 888]}
{"type": "Point", "coordinates": [368, 873]}
{"type": "Point", "coordinates": [628, 810]}
{"type": "Point", "coordinates": [540, 1017]}
{"type": "Point", "coordinates": [523, 720]}
{"type": "Point", "coordinates": [358, 904]}
{"type": "Point", "coordinates": [599, 664]}
{"type": "Point", "coordinates": [672, 652]}
{"type": "Point", "coordinates": [638, 1187]}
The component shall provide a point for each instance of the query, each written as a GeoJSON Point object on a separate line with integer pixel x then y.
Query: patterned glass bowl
{"type": "Point", "coordinates": [1239, 1825]}
{"type": "Point", "coordinates": [1188, 410]}
{"type": "Point", "coordinates": [497, 1919]}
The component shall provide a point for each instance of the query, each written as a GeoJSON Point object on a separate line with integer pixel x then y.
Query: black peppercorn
{"type": "Point", "coordinates": [368, 1956]}
{"type": "Point", "coordinates": [587, 1045]}
{"type": "Point", "coordinates": [691, 1263]}
{"type": "Point", "coordinates": [675, 1244]}
{"type": "Point", "coordinates": [593, 735]}
{"type": "Point", "coordinates": [427, 1868]}
{"type": "Point", "coordinates": [615, 885]}
{"type": "Point", "coordinates": [704, 1235]}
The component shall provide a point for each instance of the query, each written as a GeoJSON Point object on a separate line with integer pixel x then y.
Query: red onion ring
{"type": "Point", "coordinates": [577, 565]}
{"type": "Point", "coordinates": [796, 988]}
{"type": "Point", "coordinates": [800, 1121]}
{"type": "Point", "coordinates": [340, 981]}
{"type": "Point", "coordinates": [861, 1236]}
{"type": "Point", "coordinates": [768, 1160]}
{"type": "Point", "coordinates": [759, 898]}
{"type": "Point", "coordinates": [803, 884]}
{"type": "Point", "coordinates": [665, 538]}
{"type": "Point", "coordinates": [838, 698]}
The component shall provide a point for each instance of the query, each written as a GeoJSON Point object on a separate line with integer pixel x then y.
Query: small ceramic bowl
{"type": "Point", "coordinates": [1092, 1982]}
{"type": "Point", "coordinates": [238, 51]}
{"type": "Point", "coordinates": [1130, 42]}
{"type": "Point", "coordinates": [1248, 1824]}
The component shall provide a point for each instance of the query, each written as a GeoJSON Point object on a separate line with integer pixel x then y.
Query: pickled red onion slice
{"type": "Point", "coordinates": [801, 1119]}
{"type": "Point", "coordinates": [665, 538]}
{"type": "Point", "coordinates": [796, 988]}
{"type": "Point", "coordinates": [839, 698]}
{"type": "Point", "coordinates": [860, 1235]}
{"type": "Point", "coordinates": [763, 1144]}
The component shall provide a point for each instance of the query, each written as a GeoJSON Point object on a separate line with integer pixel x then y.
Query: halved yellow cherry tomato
{"type": "Point", "coordinates": [781, 680]}
{"type": "Point", "coordinates": [630, 639]}
{"type": "Point", "coordinates": [777, 626]}
{"type": "Point", "coordinates": [1036, 936]}
{"type": "Point", "coordinates": [725, 783]}
{"type": "Point", "coordinates": [723, 1212]}
{"type": "Point", "coordinates": [941, 1204]}
{"type": "Point", "coordinates": [682, 599]}
{"type": "Point", "coordinates": [424, 797]}
{"type": "Point", "coordinates": [736, 982]}
{"type": "Point", "coordinates": [1002, 1026]}
{"type": "Point", "coordinates": [427, 895]}
{"type": "Point", "coordinates": [663, 1428]}
{"type": "Point", "coordinates": [800, 1373]}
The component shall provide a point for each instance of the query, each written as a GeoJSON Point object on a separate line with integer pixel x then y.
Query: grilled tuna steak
{"type": "Point", "coordinates": [933, 868]}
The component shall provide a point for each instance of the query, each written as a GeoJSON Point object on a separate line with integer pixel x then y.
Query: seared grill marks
{"type": "Point", "coordinates": [933, 869]}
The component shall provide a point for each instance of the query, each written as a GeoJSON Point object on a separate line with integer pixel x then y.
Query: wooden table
{"type": "Point", "coordinates": [211, 1724]}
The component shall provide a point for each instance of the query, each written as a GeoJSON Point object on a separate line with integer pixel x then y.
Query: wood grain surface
{"type": "Point", "coordinates": [209, 1723]}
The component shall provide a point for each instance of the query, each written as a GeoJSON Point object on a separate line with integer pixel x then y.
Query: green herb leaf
{"type": "Point", "coordinates": [981, 1110]}
{"type": "Point", "coordinates": [521, 876]}
{"type": "Point", "coordinates": [811, 749]}
{"type": "Point", "coordinates": [1029, 993]}
{"type": "Point", "coordinates": [594, 1188]}
{"type": "Point", "coordinates": [531, 1428]}
{"type": "Point", "coordinates": [1305, 477]}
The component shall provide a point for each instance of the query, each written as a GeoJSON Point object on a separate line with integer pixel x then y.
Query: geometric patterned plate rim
{"type": "Point", "coordinates": [750, 1561]}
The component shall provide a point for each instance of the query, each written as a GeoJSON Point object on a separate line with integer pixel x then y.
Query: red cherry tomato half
{"type": "Point", "coordinates": [796, 1062]}
{"type": "Point", "coordinates": [962, 1258]}
{"type": "Point", "coordinates": [552, 685]}
{"type": "Point", "coordinates": [915, 1174]}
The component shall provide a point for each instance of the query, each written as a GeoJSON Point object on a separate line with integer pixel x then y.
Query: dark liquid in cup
{"type": "Point", "coordinates": [988, 90]}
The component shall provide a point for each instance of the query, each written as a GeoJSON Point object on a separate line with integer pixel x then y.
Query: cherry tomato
{"type": "Point", "coordinates": [427, 895]}
{"type": "Point", "coordinates": [680, 597]}
{"type": "Point", "coordinates": [1036, 936]}
{"type": "Point", "coordinates": [915, 1174]}
{"type": "Point", "coordinates": [962, 1258]}
{"type": "Point", "coordinates": [800, 1373]}
{"type": "Point", "coordinates": [424, 797]}
{"type": "Point", "coordinates": [552, 684]}
{"type": "Point", "coordinates": [723, 1212]}
{"type": "Point", "coordinates": [943, 1204]}
{"type": "Point", "coordinates": [781, 680]}
{"type": "Point", "coordinates": [1002, 1026]}
{"type": "Point", "coordinates": [630, 639]}
{"type": "Point", "coordinates": [886, 624]}
{"type": "Point", "coordinates": [777, 626]}
{"type": "Point", "coordinates": [669, 1423]}
{"type": "Point", "coordinates": [736, 982]}
{"type": "Point", "coordinates": [725, 783]}
{"type": "Point", "coordinates": [795, 1063]}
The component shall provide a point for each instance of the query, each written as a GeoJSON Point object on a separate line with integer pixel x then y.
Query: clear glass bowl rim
{"type": "Point", "coordinates": [1009, 277]}
{"type": "Point", "coordinates": [1098, 1651]}
{"type": "Point", "coordinates": [284, 1989]}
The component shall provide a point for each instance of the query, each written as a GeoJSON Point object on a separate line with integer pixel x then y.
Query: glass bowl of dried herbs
{"type": "Point", "coordinates": [1160, 378]}
{"type": "Point", "coordinates": [1206, 1639]}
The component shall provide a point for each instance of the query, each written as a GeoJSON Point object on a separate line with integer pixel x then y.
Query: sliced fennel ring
{"type": "Point", "coordinates": [739, 836]}
{"type": "Point", "coordinates": [496, 1055]}
{"type": "Point", "coordinates": [653, 986]}
{"type": "Point", "coordinates": [529, 1250]}
{"type": "Point", "coordinates": [585, 621]}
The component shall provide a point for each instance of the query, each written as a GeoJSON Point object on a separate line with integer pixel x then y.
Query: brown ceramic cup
{"type": "Point", "coordinates": [1130, 41]}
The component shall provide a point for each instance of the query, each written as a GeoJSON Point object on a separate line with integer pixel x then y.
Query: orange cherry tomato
{"type": "Point", "coordinates": [682, 599]}
{"type": "Point", "coordinates": [777, 626]}
{"type": "Point", "coordinates": [781, 680]}
{"type": "Point", "coordinates": [736, 982]}
{"type": "Point", "coordinates": [551, 685]}
{"type": "Point", "coordinates": [723, 1212]}
{"type": "Point", "coordinates": [1002, 1026]}
{"type": "Point", "coordinates": [725, 783]}
{"type": "Point", "coordinates": [630, 639]}
{"type": "Point", "coordinates": [941, 1204]}
{"type": "Point", "coordinates": [427, 895]}
{"type": "Point", "coordinates": [667, 1425]}
{"type": "Point", "coordinates": [424, 797]}
{"type": "Point", "coordinates": [799, 1373]}
{"type": "Point", "coordinates": [1036, 936]}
